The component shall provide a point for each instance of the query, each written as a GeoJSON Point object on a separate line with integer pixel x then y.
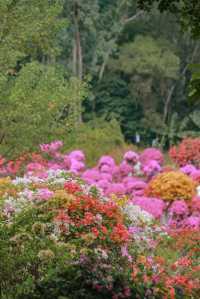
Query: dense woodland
{"type": "Point", "coordinates": [71, 66]}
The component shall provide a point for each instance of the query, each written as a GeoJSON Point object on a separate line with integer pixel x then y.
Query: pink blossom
{"type": "Point", "coordinates": [77, 155]}
{"type": "Point", "coordinates": [195, 206]}
{"type": "Point", "coordinates": [44, 194]}
{"type": "Point", "coordinates": [151, 154]}
{"type": "Point", "coordinates": [77, 166]}
{"type": "Point", "coordinates": [195, 175]}
{"type": "Point", "coordinates": [116, 174]}
{"type": "Point", "coordinates": [105, 168]}
{"type": "Point", "coordinates": [53, 165]}
{"type": "Point", "coordinates": [179, 207]}
{"type": "Point", "coordinates": [35, 166]}
{"type": "Point", "coordinates": [188, 169]}
{"type": "Point", "coordinates": [106, 176]}
{"type": "Point", "coordinates": [66, 162]}
{"type": "Point", "coordinates": [91, 175]}
{"type": "Point", "coordinates": [192, 222]}
{"type": "Point", "coordinates": [153, 206]}
{"type": "Point", "coordinates": [108, 160]}
{"type": "Point", "coordinates": [55, 146]}
{"type": "Point", "coordinates": [151, 168]}
{"type": "Point", "coordinates": [131, 157]}
{"type": "Point", "coordinates": [44, 148]}
{"type": "Point", "coordinates": [125, 169]}
{"type": "Point", "coordinates": [116, 188]}
{"type": "Point", "coordinates": [124, 251]}
{"type": "Point", "coordinates": [135, 185]}
{"type": "Point", "coordinates": [129, 179]}
{"type": "Point", "coordinates": [104, 185]}
{"type": "Point", "coordinates": [51, 147]}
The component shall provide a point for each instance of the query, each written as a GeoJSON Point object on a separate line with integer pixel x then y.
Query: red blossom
{"type": "Point", "coordinates": [72, 188]}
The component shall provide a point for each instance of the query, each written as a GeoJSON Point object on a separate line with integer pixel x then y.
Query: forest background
{"type": "Point", "coordinates": [94, 73]}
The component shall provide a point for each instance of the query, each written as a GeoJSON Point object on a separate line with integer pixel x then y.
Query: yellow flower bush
{"type": "Point", "coordinates": [171, 186]}
{"type": "Point", "coordinates": [5, 185]}
{"type": "Point", "coordinates": [120, 201]}
{"type": "Point", "coordinates": [61, 199]}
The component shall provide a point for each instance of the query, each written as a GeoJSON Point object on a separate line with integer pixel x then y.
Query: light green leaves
{"type": "Point", "coordinates": [147, 56]}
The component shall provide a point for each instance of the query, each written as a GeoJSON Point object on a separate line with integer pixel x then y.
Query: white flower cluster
{"type": "Point", "coordinates": [136, 215]}
{"type": "Point", "coordinates": [14, 206]}
{"type": "Point", "coordinates": [198, 190]}
{"type": "Point", "coordinates": [138, 169]}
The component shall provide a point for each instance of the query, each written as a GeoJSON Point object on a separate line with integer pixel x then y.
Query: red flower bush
{"type": "Point", "coordinates": [89, 215]}
{"type": "Point", "coordinates": [187, 152]}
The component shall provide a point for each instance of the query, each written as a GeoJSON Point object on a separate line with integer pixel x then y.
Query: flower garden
{"type": "Point", "coordinates": [128, 230]}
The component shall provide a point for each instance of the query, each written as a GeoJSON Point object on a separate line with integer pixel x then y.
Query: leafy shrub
{"type": "Point", "coordinates": [172, 185]}
{"type": "Point", "coordinates": [96, 139]}
{"type": "Point", "coordinates": [187, 152]}
{"type": "Point", "coordinates": [34, 109]}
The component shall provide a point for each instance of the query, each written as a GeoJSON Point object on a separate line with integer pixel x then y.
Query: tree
{"type": "Point", "coordinates": [38, 101]}
{"type": "Point", "coordinates": [148, 60]}
{"type": "Point", "coordinates": [188, 11]}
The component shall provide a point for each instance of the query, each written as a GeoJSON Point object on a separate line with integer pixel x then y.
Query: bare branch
{"type": "Point", "coordinates": [134, 17]}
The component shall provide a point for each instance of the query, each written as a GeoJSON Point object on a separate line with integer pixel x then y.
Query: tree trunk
{"type": "Point", "coordinates": [172, 89]}
{"type": "Point", "coordinates": [78, 59]}
{"type": "Point", "coordinates": [124, 21]}
{"type": "Point", "coordinates": [77, 56]}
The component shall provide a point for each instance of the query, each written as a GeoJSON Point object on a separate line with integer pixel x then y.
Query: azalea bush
{"type": "Point", "coordinates": [172, 185]}
{"type": "Point", "coordinates": [63, 238]}
{"type": "Point", "coordinates": [69, 231]}
{"type": "Point", "coordinates": [187, 152]}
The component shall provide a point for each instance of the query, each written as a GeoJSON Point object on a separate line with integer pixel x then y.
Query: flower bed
{"type": "Point", "coordinates": [71, 232]}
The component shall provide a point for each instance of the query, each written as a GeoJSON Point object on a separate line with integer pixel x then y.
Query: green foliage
{"type": "Point", "coordinates": [28, 28]}
{"type": "Point", "coordinates": [33, 110]}
{"type": "Point", "coordinates": [195, 83]}
{"type": "Point", "coordinates": [95, 138]}
{"type": "Point", "coordinates": [112, 98]}
{"type": "Point", "coordinates": [147, 56]}
{"type": "Point", "coordinates": [187, 11]}
{"type": "Point", "coordinates": [132, 58]}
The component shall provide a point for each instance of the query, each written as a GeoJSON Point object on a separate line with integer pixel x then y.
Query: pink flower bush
{"type": "Point", "coordinates": [106, 160]}
{"type": "Point", "coordinates": [195, 206]}
{"type": "Point", "coordinates": [77, 155]}
{"type": "Point", "coordinates": [125, 169]}
{"type": "Point", "coordinates": [44, 194]}
{"type": "Point", "coordinates": [52, 147]}
{"type": "Point", "coordinates": [195, 175]}
{"type": "Point", "coordinates": [91, 176]}
{"type": "Point", "coordinates": [151, 168]}
{"type": "Point", "coordinates": [134, 186]}
{"type": "Point", "coordinates": [77, 166]}
{"type": "Point", "coordinates": [192, 222]}
{"type": "Point", "coordinates": [153, 206]}
{"type": "Point", "coordinates": [106, 168]}
{"type": "Point", "coordinates": [150, 154]}
{"type": "Point", "coordinates": [131, 157]}
{"type": "Point", "coordinates": [116, 188]}
{"type": "Point", "coordinates": [188, 169]}
{"type": "Point", "coordinates": [179, 207]}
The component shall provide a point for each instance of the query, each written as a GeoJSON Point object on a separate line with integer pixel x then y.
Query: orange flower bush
{"type": "Point", "coordinates": [171, 186]}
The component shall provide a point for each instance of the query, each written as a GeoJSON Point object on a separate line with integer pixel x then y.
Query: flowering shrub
{"type": "Point", "coordinates": [67, 231]}
{"type": "Point", "coordinates": [187, 152]}
{"type": "Point", "coordinates": [150, 154]}
{"type": "Point", "coordinates": [171, 186]}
